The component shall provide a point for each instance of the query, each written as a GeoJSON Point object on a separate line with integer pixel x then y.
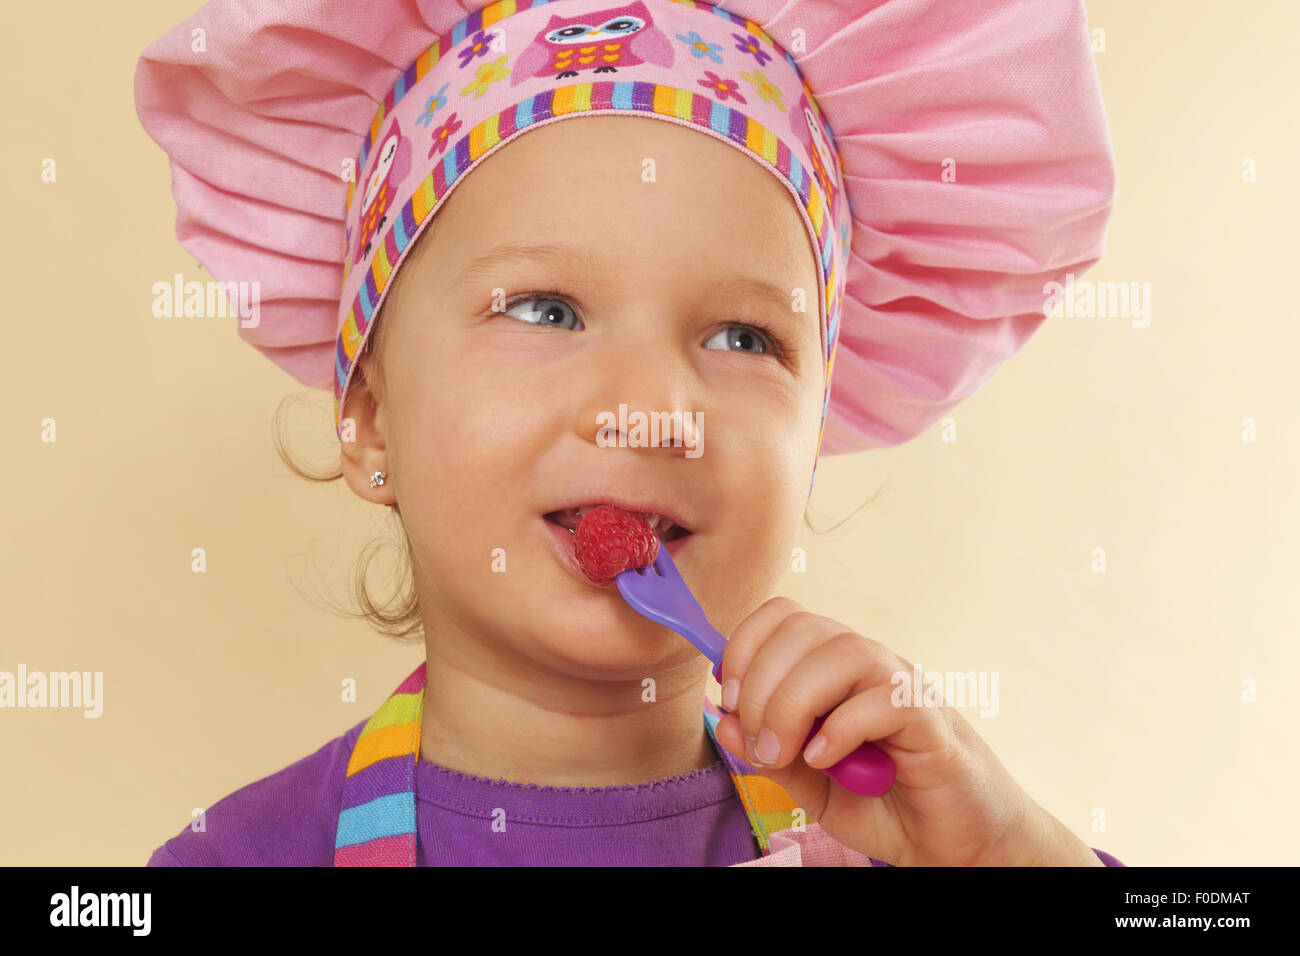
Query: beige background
{"type": "Point", "coordinates": [1120, 691]}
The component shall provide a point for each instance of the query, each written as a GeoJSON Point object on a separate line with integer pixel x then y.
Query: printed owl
{"type": "Point", "coordinates": [392, 164]}
{"type": "Point", "coordinates": [600, 42]}
{"type": "Point", "coordinates": [807, 126]}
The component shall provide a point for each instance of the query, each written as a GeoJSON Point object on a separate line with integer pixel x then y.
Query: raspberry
{"type": "Point", "coordinates": [610, 540]}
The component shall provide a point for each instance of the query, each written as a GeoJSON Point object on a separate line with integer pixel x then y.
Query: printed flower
{"type": "Point", "coordinates": [476, 47]}
{"type": "Point", "coordinates": [487, 74]}
{"type": "Point", "coordinates": [436, 102]}
{"type": "Point", "coordinates": [724, 88]}
{"type": "Point", "coordinates": [765, 89]}
{"type": "Point", "coordinates": [749, 44]}
{"type": "Point", "coordinates": [700, 47]}
{"type": "Point", "coordinates": [443, 134]}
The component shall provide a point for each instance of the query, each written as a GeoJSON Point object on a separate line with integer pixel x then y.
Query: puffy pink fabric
{"type": "Point", "coordinates": [946, 279]}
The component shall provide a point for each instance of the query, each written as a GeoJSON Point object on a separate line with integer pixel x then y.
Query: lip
{"type": "Point", "coordinates": [641, 507]}
{"type": "Point", "coordinates": [562, 541]}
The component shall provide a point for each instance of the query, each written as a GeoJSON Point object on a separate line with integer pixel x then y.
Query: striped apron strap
{"type": "Point", "coordinates": [769, 807]}
{"type": "Point", "coordinates": [377, 826]}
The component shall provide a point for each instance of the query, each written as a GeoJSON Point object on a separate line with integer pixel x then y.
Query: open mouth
{"type": "Point", "coordinates": [664, 528]}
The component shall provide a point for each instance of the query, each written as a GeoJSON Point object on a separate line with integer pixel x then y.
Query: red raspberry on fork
{"type": "Point", "coordinates": [610, 540]}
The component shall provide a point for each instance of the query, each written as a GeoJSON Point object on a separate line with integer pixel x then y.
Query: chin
{"type": "Point", "coordinates": [597, 638]}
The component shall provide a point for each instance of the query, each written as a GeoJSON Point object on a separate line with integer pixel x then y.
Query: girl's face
{"type": "Point", "coordinates": [486, 420]}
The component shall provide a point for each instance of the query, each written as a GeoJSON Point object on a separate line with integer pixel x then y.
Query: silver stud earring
{"type": "Point", "coordinates": [378, 478]}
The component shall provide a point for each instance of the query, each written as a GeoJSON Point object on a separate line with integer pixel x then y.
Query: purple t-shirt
{"type": "Point", "coordinates": [290, 818]}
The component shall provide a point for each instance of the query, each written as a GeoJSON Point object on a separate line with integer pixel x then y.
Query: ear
{"type": "Point", "coordinates": [363, 421]}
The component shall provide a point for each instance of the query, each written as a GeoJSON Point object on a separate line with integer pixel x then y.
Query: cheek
{"type": "Point", "coordinates": [443, 401]}
{"type": "Point", "coordinates": [764, 467]}
{"type": "Point", "coordinates": [774, 440]}
{"type": "Point", "coordinates": [462, 444]}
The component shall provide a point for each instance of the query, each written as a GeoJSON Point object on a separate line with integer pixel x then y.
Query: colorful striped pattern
{"type": "Point", "coordinates": [768, 806]}
{"type": "Point", "coordinates": [481, 20]}
{"type": "Point", "coordinates": [413, 74]}
{"type": "Point", "coordinates": [618, 97]}
{"type": "Point", "coordinates": [377, 816]}
{"type": "Point", "coordinates": [377, 824]}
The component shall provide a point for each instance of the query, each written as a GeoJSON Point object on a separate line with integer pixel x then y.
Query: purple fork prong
{"type": "Point", "coordinates": [668, 568]}
{"type": "Point", "coordinates": [665, 598]}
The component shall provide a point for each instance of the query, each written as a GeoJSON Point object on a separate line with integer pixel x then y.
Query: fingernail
{"type": "Point", "coordinates": [768, 747]}
{"type": "Point", "coordinates": [730, 693]}
{"type": "Point", "coordinates": [749, 752]}
{"type": "Point", "coordinates": [814, 749]}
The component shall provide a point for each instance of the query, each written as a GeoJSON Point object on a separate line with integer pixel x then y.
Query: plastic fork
{"type": "Point", "coordinates": [659, 593]}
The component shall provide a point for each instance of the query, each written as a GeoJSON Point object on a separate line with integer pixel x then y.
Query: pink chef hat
{"type": "Point", "coordinates": [949, 160]}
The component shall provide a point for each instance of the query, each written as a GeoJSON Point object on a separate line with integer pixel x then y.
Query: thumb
{"type": "Point", "coordinates": [809, 788]}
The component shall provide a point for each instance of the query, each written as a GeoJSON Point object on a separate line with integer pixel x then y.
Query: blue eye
{"type": "Point", "coordinates": [744, 336]}
{"type": "Point", "coordinates": [550, 312]}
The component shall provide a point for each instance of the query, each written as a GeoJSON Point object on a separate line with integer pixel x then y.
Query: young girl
{"type": "Point", "coordinates": [698, 264]}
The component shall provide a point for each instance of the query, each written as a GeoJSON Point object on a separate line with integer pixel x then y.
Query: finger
{"type": "Point", "coordinates": [750, 634]}
{"type": "Point", "coordinates": [809, 788]}
{"type": "Point", "coordinates": [793, 639]}
{"type": "Point", "coordinates": [874, 715]}
{"type": "Point", "coordinates": [840, 665]}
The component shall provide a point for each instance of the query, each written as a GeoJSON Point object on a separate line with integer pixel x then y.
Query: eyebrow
{"type": "Point", "coordinates": [577, 259]}
{"type": "Point", "coordinates": [569, 256]}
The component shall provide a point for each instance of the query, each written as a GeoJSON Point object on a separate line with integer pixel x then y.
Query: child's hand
{"type": "Point", "coordinates": [952, 803]}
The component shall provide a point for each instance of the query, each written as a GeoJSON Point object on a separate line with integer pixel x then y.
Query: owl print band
{"type": "Point", "coordinates": [517, 65]}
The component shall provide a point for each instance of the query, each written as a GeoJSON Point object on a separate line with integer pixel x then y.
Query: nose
{"type": "Point", "coordinates": [639, 399]}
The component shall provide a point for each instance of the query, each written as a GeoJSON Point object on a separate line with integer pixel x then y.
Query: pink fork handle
{"type": "Point", "coordinates": [867, 771]}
